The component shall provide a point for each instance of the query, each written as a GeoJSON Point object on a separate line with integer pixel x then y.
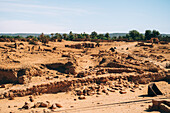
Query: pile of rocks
{"type": "Point", "coordinates": [160, 105]}
{"type": "Point", "coordinates": [68, 85]}
{"type": "Point", "coordinates": [47, 104]}
{"type": "Point", "coordinates": [120, 86]}
{"type": "Point", "coordinates": [81, 46]}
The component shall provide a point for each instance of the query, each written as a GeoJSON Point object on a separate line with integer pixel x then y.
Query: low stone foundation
{"type": "Point", "coordinates": [68, 85]}
{"type": "Point", "coordinates": [17, 75]}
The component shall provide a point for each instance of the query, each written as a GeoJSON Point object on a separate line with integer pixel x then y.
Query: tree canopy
{"type": "Point", "coordinates": [132, 35]}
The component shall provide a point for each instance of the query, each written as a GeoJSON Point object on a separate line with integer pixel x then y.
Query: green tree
{"type": "Point", "coordinates": [71, 36]}
{"type": "Point", "coordinates": [134, 34]}
{"type": "Point", "coordinates": [114, 37]}
{"type": "Point", "coordinates": [120, 37]}
{"type": "Point", "coordinates": [88, 36]}
{"type": "Point", "coordinates": [107, 36]}
{"type": "Point", "coordinates": [142, 37]}
{"type": "Point", "coordinates": [148, 34]}
{"type": "Point", "coordinates": [100, 36]}
{"type": "Point", "coordinates": [93, 35]}
{"type": "Point", "coordinates": [127, 36]}
{"type": "Point", "coordinates": [30, 36]}
{"type": "Point", "coordinates": [80, 36]}
{"type": "Point", "coordinates": [155, 33]}
{"type": "Point", "coordinates": [65, 36]}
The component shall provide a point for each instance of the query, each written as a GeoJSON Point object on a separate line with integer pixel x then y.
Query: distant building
{"type": "Point", "coordinates": [154, 40]}
{"type": "Point", "coordinates": [42, 35]}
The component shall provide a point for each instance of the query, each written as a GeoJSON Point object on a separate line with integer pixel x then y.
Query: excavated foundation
{"type": "Point", "coordinates": [68, 85]}
{"type": "Point", "coordinates": [17, 75]}
{"type": "Point", "coordinates": [7, 76]}
{"type": "Point", "coordinates": [63, 68]}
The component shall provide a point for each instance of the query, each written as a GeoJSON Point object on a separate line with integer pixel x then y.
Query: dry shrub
{"type": "Point", "coordinates": [33, 42]}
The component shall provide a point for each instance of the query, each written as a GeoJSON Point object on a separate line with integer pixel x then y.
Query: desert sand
{"type": "Point", "coordinates": [82, 77]}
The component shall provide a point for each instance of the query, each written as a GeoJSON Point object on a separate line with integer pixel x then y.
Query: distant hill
{"type": "Point", "coordinates": [20, 34]}
{"type": "Point", "coordinates": [37, 34]}
{"type": "Point", "coordinates": [117, 34]}
{"type": "Point", "coordinates": [165, 34]}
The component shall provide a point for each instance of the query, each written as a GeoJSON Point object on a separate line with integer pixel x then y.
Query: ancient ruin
{"type": "Point", "coordinates": [83, 69]}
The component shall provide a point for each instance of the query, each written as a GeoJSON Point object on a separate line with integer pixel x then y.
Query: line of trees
{"type": "Point", "coordinates": [133, 35]}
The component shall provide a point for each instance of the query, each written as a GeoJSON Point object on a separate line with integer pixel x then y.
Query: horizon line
{"type": "Point", "coordinates": [67, 32]}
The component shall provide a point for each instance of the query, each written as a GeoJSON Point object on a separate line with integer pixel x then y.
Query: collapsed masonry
{"type": "Point", "coordinates": [108, 62]}
{"type": "Point", "coordinates": [160, 105]}
{"type": "Point", "coordinates": [18, 75]}
{"type": "Point", "coordinates": [68, 85]}
{"type": "Point", "coordinates": [68, 68]}
{"type": "Point", "coordinates": [24, 75]}
{"type": "Point", "coordinates": [81, 46]}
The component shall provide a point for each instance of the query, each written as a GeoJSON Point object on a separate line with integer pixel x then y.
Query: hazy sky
{"type": "Point", "coordinates": [37, 16]}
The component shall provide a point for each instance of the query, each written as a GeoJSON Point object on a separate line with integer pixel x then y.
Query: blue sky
{"type": "Point", "coordinates": [37, 16]}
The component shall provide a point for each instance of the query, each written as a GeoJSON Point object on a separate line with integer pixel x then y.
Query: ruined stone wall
{"type": "Point", "coordinates": [67, 68]}
{"type": "Point", "coordinates": [8, 76]}
{"type": "Point", "coordinates": [17, 75]}
{"type": "Point", "coordinates": [80, 46]}
{"type": "Point", "coordinates": [68, 85]}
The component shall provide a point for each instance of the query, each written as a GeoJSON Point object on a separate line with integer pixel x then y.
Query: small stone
{"type": "Point", "coordinates": [141, 105]}
{"type": "Point", "coordinates": [122, 92]}
{"type": "Point", "coordinates": [104, 91]}
{"type": "Point", "coordinates": [26, 106]}
{"type": "Point", "coordinates": [132, 90]}
{"type": "Point", "coordinates": [136, 86]}
{"type": "Point", "coordinates": [31, 99]}
{"type": "Point", "coordinates": [2, 97]}
{"type": "Point", "coordinates": [42, 104]}
{"type": "Point", "coordinates": [121, 89]}
{"type": "Point", "coordinates": [81, 98]}
{"type": "Point", "coordinates": [37, 93]}
{"type": "Point", "coordinates": [115, 88]}
{"type": "Point", "coordinates": [125, 85]}
{"type": "Point", "coordinates": [58, 105]}
{"type": "Point", "coordinates": [79, 92]}
{"type": "Point", "coordinates": [117, 85]}
{"type": "Point", "coordinates": [99, 93]}
{"type": "Point", "coordinates": [53, 106]}
{"type": "Point", "coordinates": [11, 98]}
{"type": "Point", "coordinates": [36, 105]}
{"type": "Point", "coordinates": [6, 94]}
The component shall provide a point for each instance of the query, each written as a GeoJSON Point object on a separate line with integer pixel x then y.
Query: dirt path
{"type": "Point", "coordinates": [133, 45]}
{"type": "Point", "coordinates": [85, 61]}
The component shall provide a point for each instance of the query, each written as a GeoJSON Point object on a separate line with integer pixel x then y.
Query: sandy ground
{"type": "Point", "coordinates": [131, 102]}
